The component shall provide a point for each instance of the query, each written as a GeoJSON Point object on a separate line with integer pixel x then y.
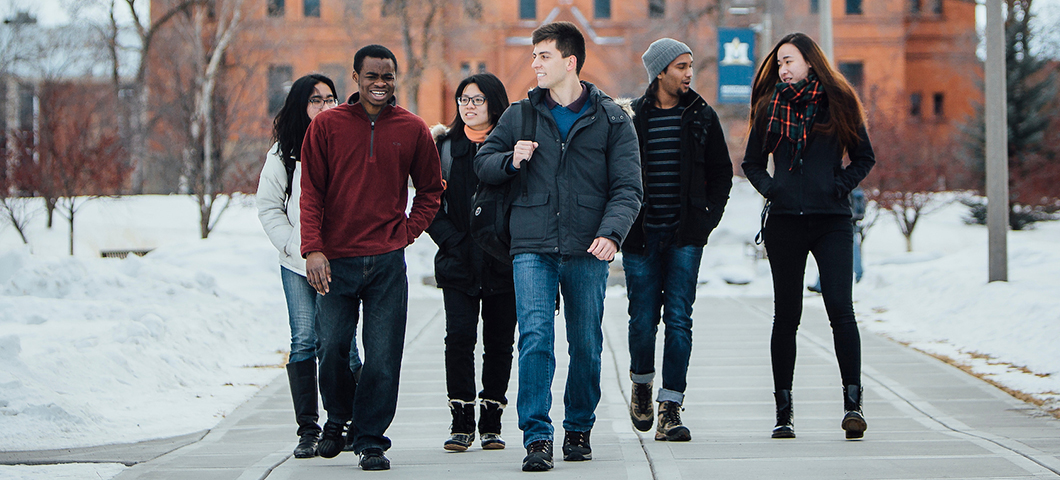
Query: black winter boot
{"type": "Point", "coordinates": [302, 377]}
{"type": "Point", "coordinates": [489, 424]}
{"type": "Point", "coordinates": [854, 421]}
{"type": "Point", "coordinates": [462, 430]}
{"type": "Point", "coordinates": [785, 415]}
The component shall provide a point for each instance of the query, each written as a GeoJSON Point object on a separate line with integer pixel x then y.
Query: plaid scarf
{"type": "Point", "coordinates": [792, 112]}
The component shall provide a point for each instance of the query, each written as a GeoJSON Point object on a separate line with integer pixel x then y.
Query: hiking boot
{"type": "Point", "coordinates": [640, 406]}
{"type": "Point", "coordinates": [333, 440]}
{"type": "Point", "coordinates": [489, 424]}
{"type": "Point", "coordinates": [854, 420]}
{"type": "Point", "coordinates": [462, 430]}
{"type": "Point", "coordinates": [785, 415]}
{"type": "Point", "coordinates": [576, 446]}
{"type": "Point", "coordinates": [373, 459]}
{"type": "Point", "coordinates": [670, 428]}
{"type": "Point", "coordinates": [538, 456]}
{"type": "Point", "coordinates": [307, 445]}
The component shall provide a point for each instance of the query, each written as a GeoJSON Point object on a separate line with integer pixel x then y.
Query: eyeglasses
{"type": "Point", "coordinates": [319, 102]}
{"type": "Point", "coordinates": [477, 100]}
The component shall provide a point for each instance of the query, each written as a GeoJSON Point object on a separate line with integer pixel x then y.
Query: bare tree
{"type": "Point", "coordinates": [136, 120]}
{"type": "Point", "coordinates": [419, 24]}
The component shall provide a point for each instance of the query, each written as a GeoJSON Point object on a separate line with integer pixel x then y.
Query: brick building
{"type": "Point", "coordinates": [908, 58]}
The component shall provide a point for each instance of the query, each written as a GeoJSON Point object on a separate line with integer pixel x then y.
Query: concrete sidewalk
{"type": "Point", "coordinates": [926, 419]}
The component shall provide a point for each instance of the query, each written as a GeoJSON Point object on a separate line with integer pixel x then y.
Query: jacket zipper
{"type": "Point", "coordinates": [371, 142]}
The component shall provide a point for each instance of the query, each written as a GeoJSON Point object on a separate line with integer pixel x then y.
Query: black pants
{"type": "Point", "coordinates": [789, 239]}
{"type": "Point", "coordinates": [498, 338]}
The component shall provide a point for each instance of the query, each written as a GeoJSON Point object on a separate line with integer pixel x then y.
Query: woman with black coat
{"type": "Point", "coordinates": [469, 278]}
{"type": "Point", "coordinates": [807, 117]}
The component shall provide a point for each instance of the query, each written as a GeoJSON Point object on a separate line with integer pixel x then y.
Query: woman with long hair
{"type": "Point", "coordinates": [277, 200]}
{"type": "Point", "coordinates": [469, 278]}
{"type": "Point", "coordinates": [807, 117]}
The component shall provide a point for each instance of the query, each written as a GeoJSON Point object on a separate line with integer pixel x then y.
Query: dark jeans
{"type": "Point", "coordinates": [789, 239]}
{"type": "Point", "coordinates": [380, 283]}
{"type": "Point", "coordinates": [498, 340]}
{"type": "Point", "coordinates": [661, 284]}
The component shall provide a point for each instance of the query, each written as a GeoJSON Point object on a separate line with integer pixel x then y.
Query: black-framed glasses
{"type": "Point", "coordinates": [318, 102]}
{"type": "Point", "coordinates": [477, 100]}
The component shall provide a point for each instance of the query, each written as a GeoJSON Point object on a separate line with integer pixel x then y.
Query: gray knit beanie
{"type": "Point", "coordinates": [659, 55]}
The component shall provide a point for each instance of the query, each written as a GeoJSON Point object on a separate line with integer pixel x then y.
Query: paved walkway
{"type": "Point", "coordinates": [927, 420]}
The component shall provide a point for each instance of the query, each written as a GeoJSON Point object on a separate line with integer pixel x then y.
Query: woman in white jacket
{"type": "Point", "coordinates": [277, 200]}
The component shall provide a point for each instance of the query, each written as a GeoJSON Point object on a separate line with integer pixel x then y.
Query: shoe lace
{"type": "Point", "coordinates": [333, 431]}
{"type": "Point", "coordinates": [577, 438]}
{"type": "Point", "coordinates": [541, 446]}
{"type": "Point", "coordinates": [643, 397]}
{"type": "Point", "coordinates": [672, 414]}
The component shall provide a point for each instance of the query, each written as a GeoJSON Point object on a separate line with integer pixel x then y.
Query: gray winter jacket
{"type": "Point", "coordinates": [585, 187]}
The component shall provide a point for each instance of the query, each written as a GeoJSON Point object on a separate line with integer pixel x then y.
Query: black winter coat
{"type": "Point", "coordinates": [460, 263]}
{"type": "Point", "coordinates": [821, 186]}
{"type": "Point", "coordinates": [706, 172]}
{"type": "Point", "coordinates": [579, 188]}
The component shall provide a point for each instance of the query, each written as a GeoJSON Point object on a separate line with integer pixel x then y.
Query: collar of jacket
{"type": "Point", "coordinates": [688, 99]}
{"type": "Point", "coordinates": [355, 100]}
{"type": "Point", "coordinates": [537, 95]}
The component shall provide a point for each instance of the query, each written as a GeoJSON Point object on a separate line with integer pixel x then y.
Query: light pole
{"type": "Point", "coordinates": [996, 144]}
{"type": "Point", "coordinates": [824, 13]}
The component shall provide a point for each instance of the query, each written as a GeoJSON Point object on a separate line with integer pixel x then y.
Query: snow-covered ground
{"type": "Point", "coordinates": [96, 351]}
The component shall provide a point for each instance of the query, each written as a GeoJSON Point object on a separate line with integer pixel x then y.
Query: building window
{"type": "Point", "coordinates": [938, 99]}
{"type": "Point", "coordinates": [936, 7]}
{"type": "Point", "coordinates": [656, 8]}
{"type": "Point", "coordinates": [914, 105]}
{"type": "Point", "coordinates": [473, 9]}
{"type": "Point", "coordinates": [481, 67]}
{"type": "Point", "coordinates": [275, 8]}
{"type": "Point", "coordinates": [914, 6]}
{"type": "Point", "coordinates": [279, 83]}
{"type": "Point", "coordinates": [311, 8]}
{"type": "Point", "coordinates": [527, 9]}
{"type": "Point", "coordinates": [815, 7]}
{"type": "Point", "coordinates": [602, 8]}
{"type": "Point", "coordinates": [853, 7]}
{"type": "Point", "coordinates": [337, 73]}
{"type": "Point", "coordinates": [354, 8]}
{"type": "Point", "coordinates": [855, 74]}
{"type": "Point", "coordinates": [26, 97]}
{"type": "Point", "coordinates": [465, 69]}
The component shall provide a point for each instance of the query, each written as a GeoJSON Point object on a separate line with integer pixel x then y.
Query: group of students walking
{"type": "Point", "coordinates": [650, 178]}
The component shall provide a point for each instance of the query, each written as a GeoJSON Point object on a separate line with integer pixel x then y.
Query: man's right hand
{"type": "Point", "coordinates": [318, 272]}
{"type": "Point", "coordinates": [524, 149]}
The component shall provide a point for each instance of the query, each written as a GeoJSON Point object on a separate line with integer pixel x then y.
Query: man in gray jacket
{"type": "Point", "coordinates": [581, 190]}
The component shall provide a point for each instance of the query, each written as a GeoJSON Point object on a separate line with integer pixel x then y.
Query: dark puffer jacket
{"type": "Point", "coordinates": [706, 172]}
{"type": "Point", "coordinates": [460, 264]}
{"type": "Point", "coordinates": [821, 186]}
{"type": "Point", "coordinates": [579, 188]}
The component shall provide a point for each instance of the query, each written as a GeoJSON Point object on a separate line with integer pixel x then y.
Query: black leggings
{"type": "Point", "coordinates": [830, 238]}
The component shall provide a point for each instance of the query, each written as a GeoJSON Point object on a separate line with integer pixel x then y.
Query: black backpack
{"type": "Point", "coordinates": [491, 207]}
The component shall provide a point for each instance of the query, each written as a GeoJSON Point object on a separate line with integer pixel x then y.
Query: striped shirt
{"type": "Point", "coordinates": [662, 168]}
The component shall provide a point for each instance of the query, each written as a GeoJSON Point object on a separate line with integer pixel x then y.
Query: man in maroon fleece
{"type": "Point", "coordinates": [356, 159]}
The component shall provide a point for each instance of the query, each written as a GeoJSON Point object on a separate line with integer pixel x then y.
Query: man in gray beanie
{"type": "Point", "coordinates": [687, 176]}
{"type": "Point", "coordinates": [660, 53]}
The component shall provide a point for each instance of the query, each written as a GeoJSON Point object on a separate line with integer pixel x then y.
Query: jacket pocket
{"type": "Point", "coordinates": [530, 215]}
{"type": "Point", "coordinates": [586, 220]}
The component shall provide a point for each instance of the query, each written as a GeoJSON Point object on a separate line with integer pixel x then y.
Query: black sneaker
{"type": "Point", "coordinates": [538, 456]}
{"type": "Point", "coordinates": [576, 447]}
{"type": "Point", "coordinates": [333, 440]}
{"type": "Point", "coordinates": [307, 445]}
{"type": "Point", "coordinates": [373, 459]}
{"type": "Point", "coordinates": [640, 406]}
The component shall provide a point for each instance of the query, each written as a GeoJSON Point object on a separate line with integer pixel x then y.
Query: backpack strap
{"type": "Point", "coordinates": [529, 128]}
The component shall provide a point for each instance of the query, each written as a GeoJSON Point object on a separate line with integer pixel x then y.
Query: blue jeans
{"type": "Point", "coordinates": [379, 283]}
{"type": "Point", "coordinates": [302, 312]}
{"type": "Point", "coordinates": [582, 280]}
{"type": "Point", "coordinates": [661, 281]}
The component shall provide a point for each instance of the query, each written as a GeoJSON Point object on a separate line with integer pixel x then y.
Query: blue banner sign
{"type": "Point", "coordinates": [736, 66]}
